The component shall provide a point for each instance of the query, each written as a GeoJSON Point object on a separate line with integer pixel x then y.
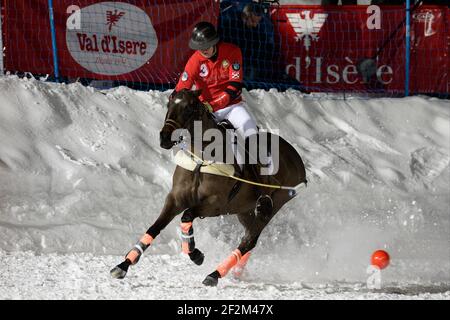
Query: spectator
{"type": "Point", "coordinates": [344, 2]}
{"type": "Point", "coordinates": [252, 30]}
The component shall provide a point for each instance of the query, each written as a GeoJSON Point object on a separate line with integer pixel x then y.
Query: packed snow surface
{"type": "Point", "coordinates": [83, 177]}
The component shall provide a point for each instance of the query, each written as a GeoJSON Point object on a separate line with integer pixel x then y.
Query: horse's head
{"type": "Point", "coordinates": [183, 109]}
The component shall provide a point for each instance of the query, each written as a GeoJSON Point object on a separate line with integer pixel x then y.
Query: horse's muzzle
{"type": "Point", "coordinates": [165, 139]}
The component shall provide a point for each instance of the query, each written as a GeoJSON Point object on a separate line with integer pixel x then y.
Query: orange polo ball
{"type": "Point", "coordinates": [380, 258]}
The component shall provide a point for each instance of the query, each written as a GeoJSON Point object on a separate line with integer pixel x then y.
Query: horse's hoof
{"type": "Point", "coordinates": [120, 271]}
{"type": "Point", "coordinates": [212, 280]}
{"type": "Point", "coordinates": [197, 256]}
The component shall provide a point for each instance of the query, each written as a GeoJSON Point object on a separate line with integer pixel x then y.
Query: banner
{"type": "Point", "coordinates": [430, 50]}
{"type": "Point", "coordinates": [1, 44]}
{"type": "Point", "coordinates": [138, 41]}
{"type": "Point", "coordinates": [145, 41]}
{"type": "Point", "coordinates": [322, 46]}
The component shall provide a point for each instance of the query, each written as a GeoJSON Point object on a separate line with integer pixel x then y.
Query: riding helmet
{"type": "Point", "coordinates": [204, 36]}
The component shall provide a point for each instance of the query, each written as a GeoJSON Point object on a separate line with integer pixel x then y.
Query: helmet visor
{"type": "Point", "coordinates": [203, 45]}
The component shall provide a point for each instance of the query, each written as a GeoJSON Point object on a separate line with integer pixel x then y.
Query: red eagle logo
{"type": "Point", "coordinates": [113, 17]}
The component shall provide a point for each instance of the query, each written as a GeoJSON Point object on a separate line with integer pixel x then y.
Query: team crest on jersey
{"type": "Point", "coordinates": [236, 66]}
{"type": "Point", "coordinates": [204, 70]}
{"type": "Point", "coordinates": [225, 64]}
{"type": "Point", "coordinates": [184, 76]}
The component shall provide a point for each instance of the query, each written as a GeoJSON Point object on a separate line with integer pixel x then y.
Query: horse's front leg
{"type": "Point", "coordinates": [169, 211]}
{"type": "Point", "coordinates": [187, 237]}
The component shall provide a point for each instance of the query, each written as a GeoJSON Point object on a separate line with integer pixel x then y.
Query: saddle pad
{"type": "Point", "coordinates": [183, 160]}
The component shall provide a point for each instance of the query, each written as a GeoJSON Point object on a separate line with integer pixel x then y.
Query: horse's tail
{"type": "Point", "coordinates": [297, 170]}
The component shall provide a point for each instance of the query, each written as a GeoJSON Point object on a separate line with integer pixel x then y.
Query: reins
{"type": "Point", "coordinates": [202, 162]}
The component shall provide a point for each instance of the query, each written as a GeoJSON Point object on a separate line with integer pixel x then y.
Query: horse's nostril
{"type": "Point", "coordinates": [164, 135]}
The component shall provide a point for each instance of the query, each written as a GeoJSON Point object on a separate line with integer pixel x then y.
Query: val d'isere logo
{"type": "Point", "coordinates": [307, 26]}
{"type": "Point", "coordinates": [115, 38]}
{"type": "Point", "coordinates": [112, 18]}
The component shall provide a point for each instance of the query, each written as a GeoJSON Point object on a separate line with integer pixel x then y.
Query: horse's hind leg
{"type": "Point", "coordinates": [247, 221]}
{"type": "Point", "coordinates": [254, 225]}
{"type": "Point", "coordinates": [187, 237]}
{"type": "Point", "coordinates": [280, 198]}
{"type": "Point", "coordinates": [169, 211]}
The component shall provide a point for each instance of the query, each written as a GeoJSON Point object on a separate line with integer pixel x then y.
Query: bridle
{"type": "Point", "coordinates": [198, 110]}
{"type": "Point", "coordinates": [172, 123]}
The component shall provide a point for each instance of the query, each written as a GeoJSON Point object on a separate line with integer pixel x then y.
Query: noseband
{"type": "Point", "coordinates": [172, 123]}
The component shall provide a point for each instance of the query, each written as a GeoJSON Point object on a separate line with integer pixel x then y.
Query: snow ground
{"type": "Point", "coordinates": [166, 277]}
{"type": "Point", "coordinates": [83, 177]}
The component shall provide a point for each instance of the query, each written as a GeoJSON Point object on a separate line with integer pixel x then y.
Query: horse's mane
{"type": "Point", "coordinates": [199, 104]}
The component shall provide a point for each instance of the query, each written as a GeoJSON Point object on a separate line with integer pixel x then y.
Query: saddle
{"type": "Point", "coordinates": [227, 125]}
{"type": "Point", "coordinates": [187, 162]}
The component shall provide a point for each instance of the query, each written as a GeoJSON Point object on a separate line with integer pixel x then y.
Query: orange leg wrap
{"type": "Point", "coordinates": [240, 266]}
{"type": "Point", "coordinates": [146, 239]}
{"type": "Point", "coordinates": [229, 263]}
{"type": "Point", "coordinates": [139, 248]}
{"type": "Point", "coordinates": [133, 256]}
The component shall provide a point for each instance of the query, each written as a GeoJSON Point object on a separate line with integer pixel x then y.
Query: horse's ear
{"type": "Point", "coordinates": [197, 93]}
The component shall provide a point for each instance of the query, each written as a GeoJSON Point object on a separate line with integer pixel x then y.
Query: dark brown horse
{"type": "Point", "coordinates": [196, 194]}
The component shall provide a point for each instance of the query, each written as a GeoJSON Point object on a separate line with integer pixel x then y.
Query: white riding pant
{"type": "Point", "coordinates": [239, 117]}
{"type": "Point", "coordinates": [245, 126]}
{"type": "Point", "coordinates": [244, 123]}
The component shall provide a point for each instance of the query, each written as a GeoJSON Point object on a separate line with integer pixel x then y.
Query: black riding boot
{"type": "Point", "coordinates": [264, 203]}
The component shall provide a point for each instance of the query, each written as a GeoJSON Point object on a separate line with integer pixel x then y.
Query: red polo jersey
{"type": "Point", "coordinates": [219, 77]}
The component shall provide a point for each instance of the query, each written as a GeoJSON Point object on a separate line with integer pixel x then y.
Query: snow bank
{"type": "Point", "coordinates": [82, 171]}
